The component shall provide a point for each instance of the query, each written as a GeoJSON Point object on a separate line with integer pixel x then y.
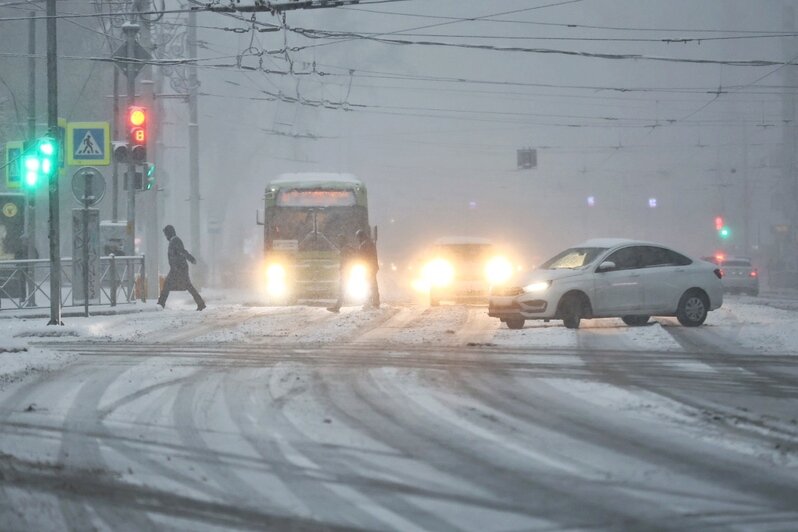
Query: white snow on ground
{"type": "Point", "coordinates": [745, 322]}
{"type": "Point", "coordinates": [652, 407]}
{"type": "Point", "coordinates": [759, 327]}
{"type": "Point", "coordinates": [750, 324]}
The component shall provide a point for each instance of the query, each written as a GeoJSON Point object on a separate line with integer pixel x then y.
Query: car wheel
{"type": "Point", "coordinates": [693, 309]}
{"type": "Point", "coordinates": [635, 321]}
{"type": "Point", "coordinates": [573, 308]}
{"type": "Point", "coordinates": [515, 323]}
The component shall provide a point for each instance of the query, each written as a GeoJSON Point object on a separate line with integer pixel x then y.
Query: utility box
{"type": "Point", "coordinates": [113, 236]}
{"type": "Point", "coordinates": [527, 158]}
{"type": "Point", "coordinates": [13, 244]}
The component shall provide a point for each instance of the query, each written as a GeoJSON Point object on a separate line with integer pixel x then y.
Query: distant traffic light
{"type": "Point", "coordinates": [137, 120]}
{"type": "Point", "coordinates": [39, 161]}
{"type": "Point", "coordinates": [723, 230]}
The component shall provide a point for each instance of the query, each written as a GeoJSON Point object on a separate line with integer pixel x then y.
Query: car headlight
{"type": "Point", "coordinates": [439, 273]}
{"type": "Point", "coordinates": [357, 286]}
{"type": "Point", "coordinates": [498, 270]}
{"type": "Point", "coordinates": [541, 286]}
{"type": "Point", "coordinates": [276, 284]}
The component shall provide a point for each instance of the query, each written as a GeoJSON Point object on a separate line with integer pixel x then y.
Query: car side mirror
{"type": "Point", "coordinates": [606, 266]}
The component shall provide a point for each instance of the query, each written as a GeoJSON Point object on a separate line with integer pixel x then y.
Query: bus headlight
{"type": "Point", "coordinates": [357, 285]}
{"type": "Point", "coordinates": [498, 270]}
{"type": "Point", "coordinates": [276, 284]}
{"type": "Point", "coordinates": [438, 273]}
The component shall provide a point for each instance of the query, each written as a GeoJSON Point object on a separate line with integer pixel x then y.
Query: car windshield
{"type": "Point", "coordinates": [572, 258]}
{"type": "Point", "coordinates": [464, 252]}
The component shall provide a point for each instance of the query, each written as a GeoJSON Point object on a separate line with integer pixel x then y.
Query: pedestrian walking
{"type": "Point", "coordinates": [177, 278]}
{"type": "Point", "coordinates": [367, 253]}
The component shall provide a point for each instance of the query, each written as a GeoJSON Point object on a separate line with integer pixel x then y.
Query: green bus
{"type": "Point", "coordinates": [308, 218]}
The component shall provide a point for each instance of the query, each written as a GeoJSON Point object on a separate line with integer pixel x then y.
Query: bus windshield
{"type": "Point", "coordinates": [315, 198]}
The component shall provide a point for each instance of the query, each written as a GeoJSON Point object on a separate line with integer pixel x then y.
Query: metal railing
{"type": "Point", "coordinates": [26, 283]}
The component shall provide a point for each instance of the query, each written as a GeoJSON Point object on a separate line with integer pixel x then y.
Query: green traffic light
{"type": "Point", "coordinates": [39, 162]}
{"type": "Point", "coordinates": [724, 232]}
{"type": "Point", "coordinates": [46, 147]}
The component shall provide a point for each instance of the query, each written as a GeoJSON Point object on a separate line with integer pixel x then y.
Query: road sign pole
{"type": "Point", "coordinates": [52, 124]}
{"type": "Point", "coordinates": [87, 200]}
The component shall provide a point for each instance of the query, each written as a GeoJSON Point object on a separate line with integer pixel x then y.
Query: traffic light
{"type": "Point", "coordinates": [149, 182]}
{"type": "Point", "coordinates": [723, 230]}
{"type": "Point", "coordinates": [143, 177]}
{"type": "Point", "coordinates": [120, 151]}
{"type": "Point", "coordinates": [39, 161]}
{"type": "Point", "coordinates": [137, 120]}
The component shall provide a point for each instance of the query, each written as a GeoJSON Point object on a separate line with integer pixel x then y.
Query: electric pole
{"type": "Point", "coordinates": [193, 135]}
{"type": "Point", "coordinates": [52, 125]}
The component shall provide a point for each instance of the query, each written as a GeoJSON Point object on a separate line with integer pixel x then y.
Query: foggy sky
{"type": "Point", "coordinates": [439, 158]}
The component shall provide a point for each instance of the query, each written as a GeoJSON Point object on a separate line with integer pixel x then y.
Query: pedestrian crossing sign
{"type": "Point", "coordinates": [88, 143]}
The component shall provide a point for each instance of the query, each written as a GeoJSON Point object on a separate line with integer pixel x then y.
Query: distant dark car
{"type": "Point", "coordinates": [739, 275]}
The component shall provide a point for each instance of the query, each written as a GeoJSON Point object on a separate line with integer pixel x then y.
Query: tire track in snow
{"type": "Point", "coordinates": [301, 471]}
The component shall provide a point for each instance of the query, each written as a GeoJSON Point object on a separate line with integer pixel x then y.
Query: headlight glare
{"type": "Point", "coordinates": [276, 284]}
{"type": "Point", "coordinates": [439, 273]}
{"type": "Point", "coordinates": [357, 287]}
{"type": "Point", "coordinates": [498, 270]}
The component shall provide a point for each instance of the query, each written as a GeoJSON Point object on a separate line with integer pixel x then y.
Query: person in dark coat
{"type": "Point", "coordinates": [177, 278]}
{"type": "Point", "coordinates": [346, 254]}
{"type": "Point", "coordinates": [367, 252]}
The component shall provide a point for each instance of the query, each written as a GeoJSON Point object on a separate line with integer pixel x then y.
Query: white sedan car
{"type": "Point", "coordinates": [613, 278]}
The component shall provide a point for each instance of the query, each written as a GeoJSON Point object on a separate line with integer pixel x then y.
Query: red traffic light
{"type": "Point", "coordinates": [718, 223]}
{"type": "Point", "coordinates": [138, 136]}
{"type": "Point", "coordinates": [136, 116]}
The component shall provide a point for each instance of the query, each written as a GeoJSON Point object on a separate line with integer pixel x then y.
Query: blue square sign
{"type": "Point", "coordinates": [88, 143]}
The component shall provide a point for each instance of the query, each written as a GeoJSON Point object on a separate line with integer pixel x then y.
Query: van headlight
{"type": "Point", "coordinates": [438, 273]}
{"type": "Point", "coordinates": [498, 270]}
{"type": "Point", "coordinates": [538, 287]}
{"type": "Point", "coordinates": [276, 283]}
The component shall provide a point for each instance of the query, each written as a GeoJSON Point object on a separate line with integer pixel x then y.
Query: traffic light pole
{"type": "Point", "coordinates": [130, 32]}
{"type": "Point", "coordinates": [52, 124]}
{"type": "Point", "coordinates": [114, 162]}
{"type": "Point", "coordinates": [31, 229]}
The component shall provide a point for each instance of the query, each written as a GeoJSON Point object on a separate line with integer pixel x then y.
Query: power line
{"type": "Point", "coordinates": [321, 34]}
{"type": "Point", "coordinates": [566, 25]}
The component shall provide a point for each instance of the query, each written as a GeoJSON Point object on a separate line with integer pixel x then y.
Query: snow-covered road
{"type": "Point", "coordinates": [407, 418]}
